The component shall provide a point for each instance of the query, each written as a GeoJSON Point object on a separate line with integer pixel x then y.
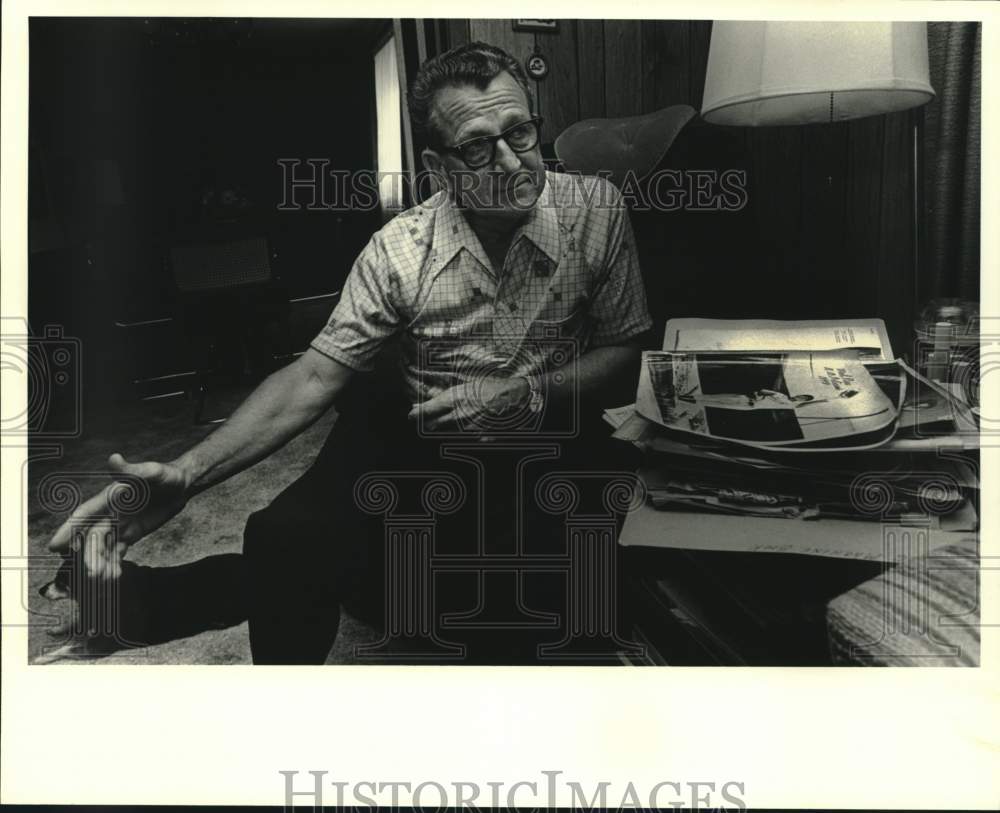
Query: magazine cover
{"type": "Point", "coordinates": [772, 399]}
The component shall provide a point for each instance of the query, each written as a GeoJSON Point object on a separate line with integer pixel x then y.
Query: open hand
{"type": "Point", "coordinates": [464, 406]}
{"type": "Point", "coordinates": [98, 532]}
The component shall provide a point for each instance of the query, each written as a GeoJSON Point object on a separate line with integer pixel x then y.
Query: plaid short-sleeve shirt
{"type": "Point", "coordinates": [570, 282]}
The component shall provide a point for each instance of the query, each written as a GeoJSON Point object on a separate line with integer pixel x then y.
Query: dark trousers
{"type": "Point", "coordinates": [322, 542]}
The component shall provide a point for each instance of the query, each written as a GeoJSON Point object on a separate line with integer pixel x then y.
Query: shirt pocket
{"type": "Point", "coordinates": [450, 306]}
{"type": "Point", "coordinates": [566, 298]}
{"type": "Point", "coordinates": [561, 319]}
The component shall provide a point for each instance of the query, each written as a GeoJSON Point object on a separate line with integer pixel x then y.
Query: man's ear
{"type": "Point", "coordinates": [433, 164]}
{"type": "Point", "coordinates": [432, 161]}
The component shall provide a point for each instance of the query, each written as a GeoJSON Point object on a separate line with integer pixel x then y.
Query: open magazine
{"type": "Point", "coordinates": [798, 399]}
{"type": "Point", "coordinates": [731, 414]}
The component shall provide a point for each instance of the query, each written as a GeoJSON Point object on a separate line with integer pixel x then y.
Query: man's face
{"type": "Point", "coordinates": [510, 185]}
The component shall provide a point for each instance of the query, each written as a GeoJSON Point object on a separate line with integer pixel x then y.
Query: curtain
{"type": "Point", "coordinates": [390, 136]}
{"type": "Point", "coordinates": [952, 162]}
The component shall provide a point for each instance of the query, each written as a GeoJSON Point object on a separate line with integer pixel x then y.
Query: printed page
{"type": "Point", "coordinates": [616, 416]}
{"type": "Point", "coordinates": [771, 399]}
{"type": "Point", "coordinates": [868, 336]}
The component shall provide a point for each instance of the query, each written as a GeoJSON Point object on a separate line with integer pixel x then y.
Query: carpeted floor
{"type": "Point", "coordinates": [189, 570]}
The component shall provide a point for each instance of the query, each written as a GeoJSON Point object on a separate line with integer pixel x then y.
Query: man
{"type": "Point", "coordinates": [504, 253]}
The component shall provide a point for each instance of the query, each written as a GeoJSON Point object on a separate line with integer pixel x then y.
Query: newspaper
{"type": "Point", "coordinates": [866, 336]}
{"type": "Point", "coordinates": [772, 400]}
{"type": "Point", "coordinates": [618, 416]}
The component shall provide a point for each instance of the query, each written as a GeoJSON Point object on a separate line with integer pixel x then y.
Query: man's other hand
{"type": "Point", "coordinates": [98, 532]}
{"type": "Point", "coordinates": [463, 407]}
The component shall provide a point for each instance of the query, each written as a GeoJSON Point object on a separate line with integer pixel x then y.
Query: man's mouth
{"type": "Point", "coordinates": [519, 180]}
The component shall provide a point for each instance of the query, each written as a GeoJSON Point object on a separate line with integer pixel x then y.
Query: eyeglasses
{"type": "Point", "coordinates": [481, 151]}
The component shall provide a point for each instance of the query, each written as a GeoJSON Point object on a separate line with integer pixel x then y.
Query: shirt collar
{"type": "Point", "coordinates": [452, 231]}
{"type": "Point", "coordinates": [542, 226]}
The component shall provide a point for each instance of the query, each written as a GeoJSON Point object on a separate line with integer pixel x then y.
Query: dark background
{"type": "Point", "coordinates": [180, 107]}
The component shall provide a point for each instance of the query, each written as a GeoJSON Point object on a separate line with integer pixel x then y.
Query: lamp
{"type": "Point", "coordinates": [766, 73]}
{"type": "Point", "coordinates": [775, 73]}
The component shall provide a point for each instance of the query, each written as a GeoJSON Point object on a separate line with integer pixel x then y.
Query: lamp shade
{"type": "Point", "coordinates": [766, 73]}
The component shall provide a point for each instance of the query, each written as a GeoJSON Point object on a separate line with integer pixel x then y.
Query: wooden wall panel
{"type": "Point", "coordinates": [863, 207]}
{"type": "Point", "coordinates": [590, 68]}
{"type": "Point", "coordinates": [558, 99]}
{"type": "Point", "coordinates": [457, 31]}
{"type": "Point", "coordinates": [821, 223]}
{"type": "Point", "coordinates": [701, 35]}
{"type": "Point", "coordinates": [774, 189]}
{"type": "Point", "coordinates": [501, 33]}
{"type": "Point", "coordinates": [666, 65]}
{"type": "Point", "coordinates": [896, 278]}
{"type": "Point", "coordinates": [622, 67]}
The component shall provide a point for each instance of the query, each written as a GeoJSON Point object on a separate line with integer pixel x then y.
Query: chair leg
{"type": "Point", "coordinates": [199, 414]}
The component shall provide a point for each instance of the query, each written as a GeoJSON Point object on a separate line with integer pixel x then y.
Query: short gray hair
{"type": "Point", "coordinates": [476, 64]}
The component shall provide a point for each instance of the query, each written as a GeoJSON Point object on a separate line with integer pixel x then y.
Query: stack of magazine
{"type": "Point", "coordinates": [812, 420]}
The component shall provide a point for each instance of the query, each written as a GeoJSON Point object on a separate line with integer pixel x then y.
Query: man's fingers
{"type": "Point", "coordinates": [114, 562]}
{"type": "Point", "coordinates": [442, 420]}
{"type": "Point", "coordinates": [93, 552]}
{"type": "Point", "coordinates": [59, 543]}
{"type": "Point", "coordinates": [446, 407]}
{"type": "Point", "coordinates": [98, 550]}
{"type": "Point", "coordinates": [61, 628]}
{"type": "Point", "coordinates": [92, 509]}
{"type": "Point", "coordinates": [145, 471]}
{"type": "Point", "coordinates": [65, 651]}
{"type": "Point", "coordinates": [435, 406]}
{"type": "Point", "coordinates": [438, 405]}
{"type": "Point", "coordinates": [98, 505]}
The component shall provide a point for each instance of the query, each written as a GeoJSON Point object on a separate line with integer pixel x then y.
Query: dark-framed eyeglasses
{"type": "Point", "coordinates": [481, 151]}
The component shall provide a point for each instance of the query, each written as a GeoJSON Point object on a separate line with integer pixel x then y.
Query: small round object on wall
{"type": "Point", "coordinates": [536, 66]}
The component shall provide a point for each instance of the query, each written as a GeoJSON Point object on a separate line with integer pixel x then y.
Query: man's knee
{"type": "Point", "coordinates": [272, 535]}
{"type": "Point", "coordinates": [259, 534]}
{"type": "Point", "coordinates": [321, 539]}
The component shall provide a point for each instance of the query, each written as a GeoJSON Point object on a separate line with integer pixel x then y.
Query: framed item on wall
{"type": "Point", "coordinates": [537, 66]}
{"type": "Point", "coordinates": [547, 26]}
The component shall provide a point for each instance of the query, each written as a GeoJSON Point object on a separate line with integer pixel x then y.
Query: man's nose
{"type": "Point", "coordinates": [506, 159]}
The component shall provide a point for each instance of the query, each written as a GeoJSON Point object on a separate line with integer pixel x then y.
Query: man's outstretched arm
{"type": "Point", "coordinates": [287, 402]}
